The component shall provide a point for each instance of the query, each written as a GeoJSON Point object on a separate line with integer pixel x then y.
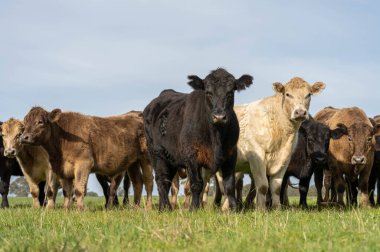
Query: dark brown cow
{"type": "Point", "coordinates": [78, 144]}
{"type": "Point", "coordinates": [352, 154]}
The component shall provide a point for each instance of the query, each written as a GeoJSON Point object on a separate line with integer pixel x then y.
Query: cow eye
{"type": "Point", "coordinates": [229, 96]}
{"type": "Point", "coordinates": [308, 96]}
{"type": "Point", "coordinates": [40, 122]}
{"type": "Point", "coordinates": [369, 139]}
{"type": "Point", "coordinates": [349, 139]}
{"type": "Point", "coordinates": [289, 95]}
{"type": "Point", "coordinates": [209, 95]}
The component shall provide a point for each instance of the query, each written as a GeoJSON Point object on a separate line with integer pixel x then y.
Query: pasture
{"type": "Point", "coordinates": [95, 229]}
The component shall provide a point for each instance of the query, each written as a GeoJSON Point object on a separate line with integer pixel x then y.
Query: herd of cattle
{"type": "Point", "coordinates": [197, 136]}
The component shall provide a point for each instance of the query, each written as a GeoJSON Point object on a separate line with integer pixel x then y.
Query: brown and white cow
{"type": "Point", "coordinates": [79, 144]}
{"type": "Point", "coordinates": [33, 160]}
{"type": "Point", "coordinates": [268, 134]}
{"type": "Point", "coordinates": [352, 155]}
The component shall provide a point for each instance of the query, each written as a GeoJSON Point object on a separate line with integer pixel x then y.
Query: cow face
{"type": "Point", "coordinates": [360, 139]}
{"type": "Point", "coordinates": [219, 88]}
{"type": "Point", "coordinates": [318, 138]}
{"type": "Point", "coordinates": [38, 125]}
{"type": "Point", "coordinates": [11, 132]}
{"type": "Point", "coordinates": [296, 96]}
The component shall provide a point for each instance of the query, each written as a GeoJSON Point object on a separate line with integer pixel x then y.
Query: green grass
{"type": "Point", "coordinates": [23, 228]}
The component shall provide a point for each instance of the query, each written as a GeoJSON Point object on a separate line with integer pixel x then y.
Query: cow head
{"type": "Point", "coordinates": [296, 96]}
{"type": "Point", "coordinates": [318, 140]}
{"type": "Point", "coordinates": [38, 125]}
{"type": "Point", "coordinates": [360, 139]}
{"type": "Point", "coordinates": [219, 88]}
{"type": "Point", "coordinates": [11, 131]}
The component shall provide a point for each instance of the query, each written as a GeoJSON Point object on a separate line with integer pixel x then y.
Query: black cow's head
{"type": "Point", "coordinates": [219, 88]}
{"type": "Point", "coordinates": [318, 140]}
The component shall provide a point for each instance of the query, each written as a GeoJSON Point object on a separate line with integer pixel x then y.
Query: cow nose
{"type": "Point", "coordinates": [358, 160]}
{"type": "Point", "coordinates": [219, 118]}
{"type": "Point", "coordinates": [300, 113]}
{"type": "Point", "coordinates": [321, 159]}
{"type": "Point", "coordinates": [10, 152]}
{"type": "Point", "coordinates": [25, 138]}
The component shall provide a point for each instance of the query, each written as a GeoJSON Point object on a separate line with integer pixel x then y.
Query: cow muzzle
{"type": "Point", "coordinates": [358, 160]}
{"type": "Point", "coordinates": [26, 139]}
{"type": "Point", "coordinates": [10, 153]}
{"type": "Point", "coordinates": [299, 115]}
{"type": "Point", "coordinates": [219, 118]}
{"type": "Point", "coordinates": [320, 158]}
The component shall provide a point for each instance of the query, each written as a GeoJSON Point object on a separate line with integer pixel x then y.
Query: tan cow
{"type": "Point", "coordinates": [79, 144]}
{"type": "Point", "coordinates": [268, 134]}
{"type": "Point", "coordinates": [352, 155]}
{"type": "Point", "coordinates": [33, 160]}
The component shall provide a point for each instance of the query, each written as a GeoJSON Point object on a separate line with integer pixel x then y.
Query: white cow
{"type": "Point", "coordinates": [33, 160]}
{"type": "Point", "coordinates": [268, 135]}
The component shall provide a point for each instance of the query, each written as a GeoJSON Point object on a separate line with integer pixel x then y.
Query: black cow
{"type": "Point", "coordinates": [195, 130]}
{"type": "Point", "coordinates": [311, 154]}
{"type": "Point", "coordinates": [373, 179]}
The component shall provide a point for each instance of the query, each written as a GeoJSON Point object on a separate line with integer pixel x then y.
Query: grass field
{"type": "Point", "coordinates": [26, 229]}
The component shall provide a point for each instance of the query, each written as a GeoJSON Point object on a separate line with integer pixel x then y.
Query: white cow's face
{"type": "Point", "coordinates": [11, 132]}
{"type": "Point", "coordinates": [296, 96]}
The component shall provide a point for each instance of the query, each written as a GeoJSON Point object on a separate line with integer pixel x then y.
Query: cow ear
{"type": "Point", "coordinates": [317, 88]}
{"type": "Point", "coordinates": [376, 126]}
{"type": "Point", "coordinates": [243, 82]}
{"type": "Point", "coordinates": [54, 115]}
{"type": "Point", "coordinates": [339, 131]}
{"type": "Point", "coordinates": [278, 88]}
{"type": "Point", "coordinates": [195, 82]}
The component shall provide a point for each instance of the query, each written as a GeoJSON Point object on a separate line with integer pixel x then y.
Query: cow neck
{"type": "Point", "coordinates": [25, 156]}
{"type": "Point", "coordinates": [53, 147]}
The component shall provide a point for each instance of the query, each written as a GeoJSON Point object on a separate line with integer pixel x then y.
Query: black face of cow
{"type": "Point", "coordinates": [318, 140]}
{"type": "Point", "coordinates": [219, 88]}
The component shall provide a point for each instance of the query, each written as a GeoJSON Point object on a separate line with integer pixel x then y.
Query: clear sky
{"type": "Point", "coordinates": [106, 57]}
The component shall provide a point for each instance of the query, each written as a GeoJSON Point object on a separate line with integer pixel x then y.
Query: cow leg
{"type": "Point", "coordinates": [115, 182]}
{"type": "Point", "coordinates": [327, 185]}
{"type": "Point", "coordinates": [304, 189]}
{"type": "Point", "coordinates": [80, 183]}
{"type": "Point", "coordinates": [126, 185]}
{"type": "Point", "coordinates": [196, 184]}
{"type": "Point", "coordinates": [174, 190]}
{"type": "Point", "coordinates": [318, 180]}
{"type": "Point", "coordinates": [363, 186]}
{"type": "Point", "coordinates": [239, 189]}
{"type": "Point", "coordinates": [251, 194]}
{"type": "Point", "coordinates": [135, 174]}
{"type": "Point", "coordinates": [4, 189]}
{"type": "Point", "coordinates": [275, 188]}
{"type": "Point", "coordinates": [67, 188]}
{"type": "Point", "coordinates": [228, 173]}
{"type": "Point", "coordinates": [340, 186]}
{"type": "Point", "coordinates": [34, 191]}
{"type": "Point", "coordinates": [164, 178]}
{"type": "Point", "coordinates": [52, 185]}
{"type": "Point", "coordinates": [258, 171]}
{"type": "Point", "coordinates": [378, 192]}
{"type": "Point", "coordinates": [218, 189]}
{"type": "Point", "coordinates": [41, 193]}
{"type": "Point", "coordinates": [284, 186]}
{"type": "Point", "coordinates": [103, 181]}
{"type": "Point", "coordinates": [186, 203]}
{"type": "Point", "coordinates": [147, 173]}
{"type": "Point", "coordinates": [206, 175]}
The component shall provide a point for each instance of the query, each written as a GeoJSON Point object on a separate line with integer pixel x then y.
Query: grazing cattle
{"type": "Point", "coordinates": [8, 167]}
{"type": "Point", "coordinates": [78, 144]}
{"type": "Point", "coordinates": [311, 154]}
{"type": "Point", "coordinates": [351, 156]}
{"type": "Point", "coordinates": [34, 162]}
{"type": "Point", "coordinates": [195, 130]}
{"type": "Point", "coordinates": [268, 135]}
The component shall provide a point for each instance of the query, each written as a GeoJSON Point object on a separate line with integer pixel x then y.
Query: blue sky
{"type": "Point", "coordinates": [108, 57]}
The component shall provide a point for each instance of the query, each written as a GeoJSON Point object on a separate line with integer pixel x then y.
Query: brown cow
{"type": "Point", "coordinates": [33, 160]}
{"type": "Point", "coordinates": [351, 155]}
{"type": "Point", "coordinates": [79, 144]}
